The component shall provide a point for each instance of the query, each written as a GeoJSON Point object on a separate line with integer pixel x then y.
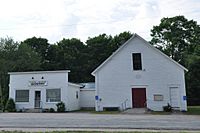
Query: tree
{"type": "Point", "coordinates": [98, 49]}
{"type": "Point", "coordinates": [120, 39]}
{"type": "Point", "coordinates": [8, 48]}
{"type": "Point", "coordinates": [53, 58]}
{"type": "Point", "coordinates": [41, 46]}
{"type": "Point", "coordinates": [30, 59]}
{"type": "Point", "coordinates": [177, 37]}
{"type": "Point", "coordinates": [193, 82]}
{"type": "Point", "coordinates": [71, 56]}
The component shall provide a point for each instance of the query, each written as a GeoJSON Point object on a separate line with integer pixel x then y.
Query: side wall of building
{"type": "Point", "coordinates": [73, 99]}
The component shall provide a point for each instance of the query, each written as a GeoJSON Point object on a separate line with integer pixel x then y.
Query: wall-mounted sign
{"type": "Point", "coordinates": [96, 98]}
{"type": "Point", "coordinates": [158, 97]}
{"type": "Point", "coordinates": [38, 83]}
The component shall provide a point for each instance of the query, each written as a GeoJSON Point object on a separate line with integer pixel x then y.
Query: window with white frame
{"type": "Point", "coordinates": [22, 96]}
{"type": "Point", "coordinates": [137, 61]}
{"type": "Point", "coordinates": [53, 95]}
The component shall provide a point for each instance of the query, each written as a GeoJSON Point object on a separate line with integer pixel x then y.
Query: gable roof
{"type": "Point", "coordinates": [147, 43]}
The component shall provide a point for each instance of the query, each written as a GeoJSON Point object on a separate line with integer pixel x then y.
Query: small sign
{"type": "Point", "coordinates": [38, 83]}
{"type": "Point", "coordinates": [158, 97]}
{"type": "Point", "coordinates": [184, 98]}
{"type": "Point", "coordinates": [96, 97]}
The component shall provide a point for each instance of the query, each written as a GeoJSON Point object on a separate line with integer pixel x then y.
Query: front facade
{"type": "Point", "coordinates": [43, 90]}
{"type": "Point", "coordinates": [138, 75]}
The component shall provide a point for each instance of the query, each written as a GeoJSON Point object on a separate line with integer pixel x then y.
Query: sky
{"type": "Point", "coordinates": [58, 19]}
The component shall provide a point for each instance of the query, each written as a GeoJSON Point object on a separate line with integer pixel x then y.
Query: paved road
{"type": "Point", "coordinates": [85, 120]}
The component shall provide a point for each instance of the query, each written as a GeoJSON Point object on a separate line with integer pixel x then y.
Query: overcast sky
{"type": "Point", "coordinates": [57, 19]}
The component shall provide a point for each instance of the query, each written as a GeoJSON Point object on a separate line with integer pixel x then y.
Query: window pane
{"type": "Point", "coordinates": [137, 63]}
{"type": "Point", "coordinates": [53, 95]}
{"type": "Point", "coordinates": [22, 96]}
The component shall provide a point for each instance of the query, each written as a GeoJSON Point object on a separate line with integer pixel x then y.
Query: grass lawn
{"type": "Point", "coordinates": [193, 110]}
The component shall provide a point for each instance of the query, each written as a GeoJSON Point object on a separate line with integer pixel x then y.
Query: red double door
{"type": "Point", "coordinates": [139, 97]}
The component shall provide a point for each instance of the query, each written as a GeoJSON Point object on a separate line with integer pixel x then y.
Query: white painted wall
{"type": "Point", "coordinates": [73, 102]}
{"type": "Point", "coordinates": [87, 98]}
{"type": "Point", "coordinates": [55, 79]}
{"type": "Point", "coordinates": [115, 80]}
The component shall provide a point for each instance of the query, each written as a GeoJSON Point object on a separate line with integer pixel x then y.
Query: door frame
{"type": "Point", "coordinates": [132, 89]}
{"type": "Point", "coordinates": [178, 96]}
{"type": "Point", "coordinates": [37, 100]}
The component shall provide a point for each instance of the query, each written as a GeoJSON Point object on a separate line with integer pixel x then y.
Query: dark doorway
{"type": "Point", "coordinates": [37, 99]}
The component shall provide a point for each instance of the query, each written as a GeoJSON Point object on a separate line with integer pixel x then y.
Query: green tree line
{"type": "Point", "coordinates": [177, 37]}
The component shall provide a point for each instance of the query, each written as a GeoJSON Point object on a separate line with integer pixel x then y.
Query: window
{"type": "Point", "coordinates": [53, 95]}
{"type": "Point", "coordinates": [137, 63]}
{"type": "Point", "coordinates": [76, 94]}
{"type": "Point", "coordinates": [22, 96]}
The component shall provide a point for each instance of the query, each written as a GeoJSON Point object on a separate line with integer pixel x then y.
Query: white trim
{"type": "Point", "coordinates": [122, 46]}
{"type": "Point", "coordinates": [87, 89]}
{"type": "Point", "coordinates": [39, 72]}
{"type": "Point", "coordinates": [139, 86]}
{"type": "Point", "coordinates": [73, 84]}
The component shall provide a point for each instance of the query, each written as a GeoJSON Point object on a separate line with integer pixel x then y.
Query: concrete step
{"type": "Point", "coordinates": [39, 110]}
{"type": "Point", "coordinates": [135, 111]}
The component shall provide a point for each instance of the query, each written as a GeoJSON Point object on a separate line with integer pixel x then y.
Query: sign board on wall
{"type": "Point", "coordinates": [158, 97]}
{"type": "Point", "coordinates": [38, 83]}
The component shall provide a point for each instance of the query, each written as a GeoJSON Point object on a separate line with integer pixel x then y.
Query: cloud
{"type": "Point", "coordinates": [57, 19]}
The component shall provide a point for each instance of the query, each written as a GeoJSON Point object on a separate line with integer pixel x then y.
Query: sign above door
{"type": "Point", "coordinates": [38, 83]}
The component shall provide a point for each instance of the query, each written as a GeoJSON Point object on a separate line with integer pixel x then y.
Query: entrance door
{"type": "Point", "coordinates": [139, 97]}
{"type": "Point", "coordinates": [174, 97]}
{"type": "Point", "coordinates": [37, 99]}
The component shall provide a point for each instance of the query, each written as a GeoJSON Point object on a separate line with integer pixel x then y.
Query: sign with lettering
{"type": "Point", "coordinates": [38, 83]}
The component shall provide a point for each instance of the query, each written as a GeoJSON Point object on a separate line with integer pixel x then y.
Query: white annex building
{"type": "Point", "coordinates": [138, 75]}
{"type": "Point", "coordinates": [43, 89]}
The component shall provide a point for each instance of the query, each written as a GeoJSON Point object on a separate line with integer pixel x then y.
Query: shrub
{"type": "Point", "coordinates": [10, 105]}
{"type": "Point", "coordinates": [60, 107]}
{"type": "Point", "coordinates": [51, 110]}
{"type": "Point", "coordinates": [167, 108]}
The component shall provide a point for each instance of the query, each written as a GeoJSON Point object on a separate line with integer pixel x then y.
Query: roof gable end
{"type": "Point", "coordinates": [145, 42]}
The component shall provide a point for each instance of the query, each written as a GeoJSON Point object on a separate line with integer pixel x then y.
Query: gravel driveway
{"type": "Point", "coordinates": [86, 120]}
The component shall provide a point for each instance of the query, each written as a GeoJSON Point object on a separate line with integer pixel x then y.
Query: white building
{"type": "Point", "coordinates": [43, 89]}
{"type": "Point", "coordinates": [139, 75]}
{"type": "Point", "coordinates": [87, 95]}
